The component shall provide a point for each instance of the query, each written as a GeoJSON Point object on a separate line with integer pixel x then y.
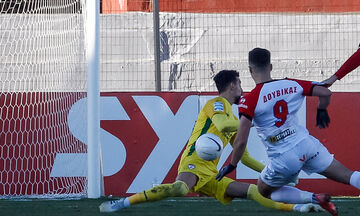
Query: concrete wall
{"type": "Point", "coordinates": [46, 52]}
{"type": "Point", "coordinates": [194, 46]}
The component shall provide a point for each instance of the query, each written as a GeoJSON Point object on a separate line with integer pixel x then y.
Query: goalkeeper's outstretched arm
{"type": "Point", "coordinates": [251, 162]}
{"type": "Point", "coordinates": [248, 160]}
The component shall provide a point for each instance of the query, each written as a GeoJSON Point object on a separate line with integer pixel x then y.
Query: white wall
{"type": "Point", "coordinates": [40, 52]}
{"type": "Point", "coordinates": [304, 46]}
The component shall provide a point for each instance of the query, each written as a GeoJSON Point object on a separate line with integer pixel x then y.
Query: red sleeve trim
{"type": "Point", "coordinates": [246, 116]}
{"type": "Point", "coordinates": [248, 103]}
{"type": "Point", "coordinates": [306, 85]}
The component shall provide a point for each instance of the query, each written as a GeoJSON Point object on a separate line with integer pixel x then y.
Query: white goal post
{"type": "Point", "coordinates": [92, 56]}
{"type": "Point", "coordinates": [44, 60]}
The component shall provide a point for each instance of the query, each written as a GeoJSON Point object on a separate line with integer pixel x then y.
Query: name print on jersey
{"type": "Point", "coordinates": [280, 92]}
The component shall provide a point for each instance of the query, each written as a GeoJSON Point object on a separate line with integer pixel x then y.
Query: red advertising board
{"type": "Point", "coordinates": [340, 138]}
{"type": "Point", "coordinates": [140, 139]}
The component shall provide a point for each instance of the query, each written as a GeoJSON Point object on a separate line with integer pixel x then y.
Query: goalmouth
{"type": "Point", "coordinates": [48, 61]}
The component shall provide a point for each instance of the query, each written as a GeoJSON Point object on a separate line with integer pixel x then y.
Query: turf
{"type": "Point", "coordinates": [179, 206]}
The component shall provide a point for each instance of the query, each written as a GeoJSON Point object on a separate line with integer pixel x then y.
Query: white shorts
{"type": "Point", "coordinates": [308, 155]}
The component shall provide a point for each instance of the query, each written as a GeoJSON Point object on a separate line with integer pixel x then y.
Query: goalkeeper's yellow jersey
{"type": "Point", "coordinates": [204, 124]}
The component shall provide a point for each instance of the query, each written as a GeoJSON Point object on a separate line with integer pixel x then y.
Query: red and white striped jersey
{"type": "Point", "coordinates": [273, 106]}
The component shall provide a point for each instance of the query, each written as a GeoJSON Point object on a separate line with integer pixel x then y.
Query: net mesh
{"type": "Point", "coordinates": [42, 74]}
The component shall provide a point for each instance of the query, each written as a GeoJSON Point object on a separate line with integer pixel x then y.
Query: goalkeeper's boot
{"type": "Point", "coordinates": [112, 206]}
{"type": "Point", "coordinates": [325, 203]}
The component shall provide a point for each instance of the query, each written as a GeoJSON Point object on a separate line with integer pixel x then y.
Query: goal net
{"type": "Point", "coordinates": [42, 74]}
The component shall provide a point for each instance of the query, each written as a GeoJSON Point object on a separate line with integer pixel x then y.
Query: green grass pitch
{"type": "Point", "coordinates": [173, 206]}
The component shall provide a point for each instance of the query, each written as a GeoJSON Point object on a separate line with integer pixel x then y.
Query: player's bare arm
{"type": "Point", "coordinates": [248, 160]}
{"type": "Point", "coordinates": [240, 141]}
{"type": "Point", "coordinates": [329, 81]}
{"type": "Point", "coordinates": [324, 95]}
{"type": "Point", "coordinates": [251, 162]}
{"type": "Point", "coordinates": [322, 116]}
{"type": "Point", "coordinates": [239, 146]}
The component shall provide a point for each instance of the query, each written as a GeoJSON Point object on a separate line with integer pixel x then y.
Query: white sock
{"type": "Point", "coordinates": [289, 194]}
{"type": "Point", "coordinates": [126, 202]}
{"type": "Point", "coordinates": [355, 179]}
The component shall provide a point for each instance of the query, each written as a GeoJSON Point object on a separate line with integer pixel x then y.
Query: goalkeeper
{"type": "Point", "coordinates": [198, 175]}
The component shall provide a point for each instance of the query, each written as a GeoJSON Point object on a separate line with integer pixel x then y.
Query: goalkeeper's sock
{"type": "Point", "coordinates": [176, 189]}
{"type": "Point", "coordinates": [254, 194]}
{"type": "Point", "coordinates": [289, 194]}
{"type": "Point", "coordinates": [355, 179]}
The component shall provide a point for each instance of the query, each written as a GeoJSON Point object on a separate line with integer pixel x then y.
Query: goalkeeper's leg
{"type": "Point", "coordinates": [177, 189]}
{"type": "Point", "coordinates": [250, 191]}
{"type": "Point", "coordinates": [254, 194]}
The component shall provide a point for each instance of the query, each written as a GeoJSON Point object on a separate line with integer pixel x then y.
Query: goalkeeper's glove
{"type": "Point", "coordinates": [322, 118]}
{"type": "Point", "coordinates": [224, 171]}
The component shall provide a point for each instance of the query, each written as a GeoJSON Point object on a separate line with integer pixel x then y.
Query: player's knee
{"type": "Point", "coordinates": [179, 188]}
{"type": "Point", "coordinates": [264, 190]}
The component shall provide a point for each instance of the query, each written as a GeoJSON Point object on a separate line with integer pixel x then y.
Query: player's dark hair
{"type": "Point", "coordinates": [224, 78]}
{"type": "Point", "coordinates": [259, 57]}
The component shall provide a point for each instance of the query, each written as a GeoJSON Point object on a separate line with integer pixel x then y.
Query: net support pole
{"type": "Point", "coordinates": [93, 98]}
{"type": "Point", "coordinates": [156, 28]}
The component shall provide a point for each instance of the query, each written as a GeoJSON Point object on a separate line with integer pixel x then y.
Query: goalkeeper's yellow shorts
{"type": "Point", "coordinates": [206, 172]}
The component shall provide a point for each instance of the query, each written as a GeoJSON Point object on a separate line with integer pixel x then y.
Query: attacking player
{"type": "Point", "coordinates": [272, 106]}
{"type": "Point", "coordinates": [351, 64]}
{"type": "Point", "coordinates": [198, 175]}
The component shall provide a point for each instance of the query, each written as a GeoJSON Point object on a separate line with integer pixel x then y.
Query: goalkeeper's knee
{"type": "Point", "coordinates": [179, 188]}
{"type": "Point", "coordinates": [176, 189]}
